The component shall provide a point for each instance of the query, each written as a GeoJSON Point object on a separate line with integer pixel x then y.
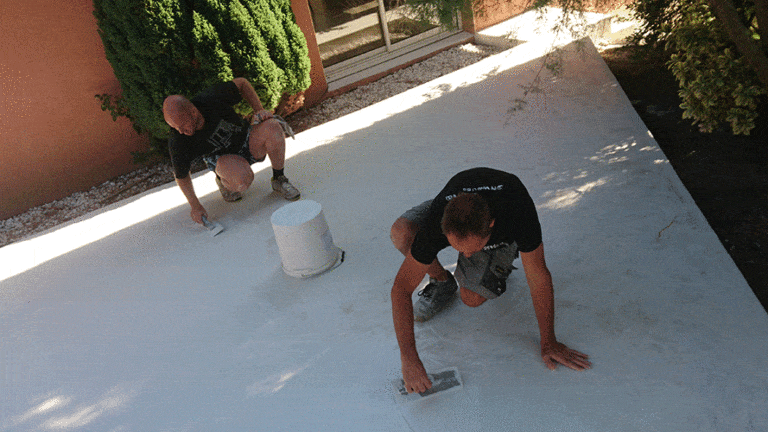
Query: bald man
{"type": "Point", "coordinates": [488, 216]}
{"type": "Point", "coordinates": [207, 126]}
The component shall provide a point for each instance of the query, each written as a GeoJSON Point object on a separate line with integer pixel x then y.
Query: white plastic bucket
{"type": "Point", "coordinates": [303, 239]}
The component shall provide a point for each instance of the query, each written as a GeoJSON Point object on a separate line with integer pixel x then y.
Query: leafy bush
{"type": "Point", "coordinates": [443, 10]}
{"type": "Point", "coordinates": [163, 47]}
{"type": "Point", "coordinates": [717, 86]}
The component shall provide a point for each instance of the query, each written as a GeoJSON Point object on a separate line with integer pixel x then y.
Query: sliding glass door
{"type": "Point", "coordinates": [350, 28]}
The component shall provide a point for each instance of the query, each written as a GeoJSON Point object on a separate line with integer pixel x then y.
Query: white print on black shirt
{"type": "Point", "coordinates": [476, 189]}
{"type": "Point", "coordinates": [495, 246]}
{"type": "Point", "coordinates": [222, 136]}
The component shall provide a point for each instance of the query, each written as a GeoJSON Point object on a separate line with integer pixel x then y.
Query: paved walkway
{"type": "Point", "coordinates": [134, 319]}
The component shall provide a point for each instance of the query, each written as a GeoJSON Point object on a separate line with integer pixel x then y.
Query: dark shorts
{"type": "Point", "coordinates": [243, 150]}
{"type": "Point", "coordinates": [485, 272]}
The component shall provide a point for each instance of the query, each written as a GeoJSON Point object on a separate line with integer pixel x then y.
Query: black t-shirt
{"type": "Point", "coordinates": [223, 129]}
{"type": "Point", "coordinates": [511, 207]}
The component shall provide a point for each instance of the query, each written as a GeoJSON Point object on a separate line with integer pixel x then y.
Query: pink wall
{"type": "Point", "coordinates": [54, 137]}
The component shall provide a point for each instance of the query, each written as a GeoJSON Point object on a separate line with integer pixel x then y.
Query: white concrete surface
{"type": "Point", "coordinates": [149, 324]}
{"type": "Point", "coordinates": [548, 25]}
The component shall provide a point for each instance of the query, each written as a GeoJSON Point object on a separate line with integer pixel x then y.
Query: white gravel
{"type": "Point", "coordinates": [49, 215]}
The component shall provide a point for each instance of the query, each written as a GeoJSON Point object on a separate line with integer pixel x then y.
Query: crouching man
{"type": "Point", "coordinates": [207, 126]}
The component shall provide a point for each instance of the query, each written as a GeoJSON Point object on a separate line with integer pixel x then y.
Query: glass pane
{"type": "Point", "coordinates": [346, 28]}
{"type": "Point", "coordinates": [402, 23]}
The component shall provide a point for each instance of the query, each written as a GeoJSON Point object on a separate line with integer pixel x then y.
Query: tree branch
{"type": "Point", "coordinates": [749, 48]}
{"type": "Point", "coordinates": [761, 8]}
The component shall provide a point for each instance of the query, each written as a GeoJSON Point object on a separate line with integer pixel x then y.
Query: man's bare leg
{"type": "Point", "coordinates": [235, 172]}
{"type": "Point", "coordinates": [268, 139]}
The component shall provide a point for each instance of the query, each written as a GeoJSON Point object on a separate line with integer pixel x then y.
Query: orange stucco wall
{"type": "Point", "coordinates": [319, 86]}
{"type": "Point", "coordinates": [491, 12]}
{"type": "Point", "coordinates": [54, 137]}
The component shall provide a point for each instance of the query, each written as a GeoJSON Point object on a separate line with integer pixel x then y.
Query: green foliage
{"type": "Point", "coordinates": [656, 20]}
{"type": "Point", "coordinates": [163, 47]}
{"type": "Point", "coordinates": [717, 86]}
{"type": "Point", "coordinates": [443, 10]}
{"type": "Point", "coordinates": [446, 10]}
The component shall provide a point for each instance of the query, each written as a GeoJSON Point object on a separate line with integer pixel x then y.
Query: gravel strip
{"type": "Point", "coordinates": [44, 217]}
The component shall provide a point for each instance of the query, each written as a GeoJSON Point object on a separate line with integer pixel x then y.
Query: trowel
{"type": "Point", "coordinates": [214, 227]}
{"type": "Point", "coordinates": [442, 381]}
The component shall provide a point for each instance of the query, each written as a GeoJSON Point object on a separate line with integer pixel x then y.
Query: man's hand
{"type": "Point", "coordinates": [197, 214]}
{"type": "Point", "coordinates": [555, 353]}
{"type": "Point", "coordinates": [415, 377]}
{"type": "Point", "coordinates": [260, 117]}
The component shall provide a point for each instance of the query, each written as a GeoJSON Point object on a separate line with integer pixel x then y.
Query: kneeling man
{"type": "Point", "coordinates": [489, 217]}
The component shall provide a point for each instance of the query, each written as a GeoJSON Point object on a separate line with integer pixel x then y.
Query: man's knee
{"type": "Point", "coordinates": [470, 298]}
{"type": "Point", "coordinates": [240, 184]}
{"type": "Point", "coordinates": [265, 138]}
{"type": "Point", "coordinates": [402, 233]}
{"type": "Point", "coordinates": [235, 172]}
{"type": "Point", "coordinates": [272, 133]}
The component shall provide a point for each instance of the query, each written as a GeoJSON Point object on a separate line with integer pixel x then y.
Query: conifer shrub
{"type": "Point", "coordinates": [163, 47]}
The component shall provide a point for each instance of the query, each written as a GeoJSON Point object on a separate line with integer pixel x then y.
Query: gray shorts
{"type": "Point", "coordinates": [485, 272]}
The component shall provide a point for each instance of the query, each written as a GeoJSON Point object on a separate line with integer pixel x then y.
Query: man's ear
{"type": "Point", "coordinates": [492, 222]}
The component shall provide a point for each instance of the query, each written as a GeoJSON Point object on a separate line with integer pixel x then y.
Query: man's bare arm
{"type": "Point", "coordinates": [249, 94]}
{"type": "Point", "coordinates": [542, 293]}
{"type": "Point", "coordinates": [197, 212]}
{"type": "Point", "coordinates": [408, 277]}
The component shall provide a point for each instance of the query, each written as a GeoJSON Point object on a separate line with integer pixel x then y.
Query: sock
{"type": "Point", "coordinates": [276, 173]}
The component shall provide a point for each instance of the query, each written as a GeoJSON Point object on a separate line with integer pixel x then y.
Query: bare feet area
{"type": "Point", "coordinates": [725, 174]}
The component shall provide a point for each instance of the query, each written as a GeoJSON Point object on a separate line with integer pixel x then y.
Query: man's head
{"type": "Point", "coordinates": [182, 115]}
{"type": "Point", "coordinates": [467, 223]}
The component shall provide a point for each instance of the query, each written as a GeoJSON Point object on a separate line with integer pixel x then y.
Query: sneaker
{"type": "Point", "coordinates": [227, 194]}
{"type": "Point", "coordinates": [434, 298]}
{"type": "Point", "coordinates": [285, 188]}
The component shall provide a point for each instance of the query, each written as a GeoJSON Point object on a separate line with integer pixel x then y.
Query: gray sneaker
{"type": "Point", "coordinates": [434, 298]}
{"type": "Point", "coordinates": [285, 188]}
{"type": "Point", "coordinates": [228, 195]}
